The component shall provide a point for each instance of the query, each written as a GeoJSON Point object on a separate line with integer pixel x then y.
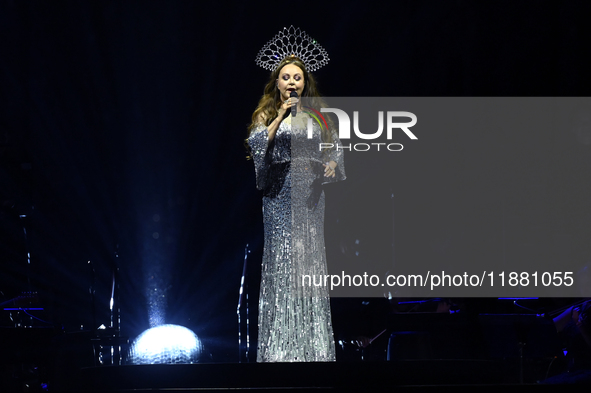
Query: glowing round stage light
{"type": "Point", "coordinates": [166, 344]}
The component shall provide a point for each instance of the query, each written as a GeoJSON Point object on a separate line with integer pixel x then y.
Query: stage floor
{"type": "Point", "coordinates": [405, 375]}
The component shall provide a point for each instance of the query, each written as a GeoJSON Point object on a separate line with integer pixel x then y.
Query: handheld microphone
{"type": "Point", "coordinates": [294, 108]}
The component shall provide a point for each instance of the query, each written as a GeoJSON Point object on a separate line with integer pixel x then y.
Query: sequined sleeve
{"type": "Point", "coordinates": [261, 154]}
{"type": "Point", "coordinates": [336, 154]}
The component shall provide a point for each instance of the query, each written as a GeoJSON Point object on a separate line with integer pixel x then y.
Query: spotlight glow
{"type": "Point", "coordinates": [166, 344]}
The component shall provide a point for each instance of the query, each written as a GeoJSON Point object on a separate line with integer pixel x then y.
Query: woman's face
{"type": "Point", "coordinates": [291, 78]}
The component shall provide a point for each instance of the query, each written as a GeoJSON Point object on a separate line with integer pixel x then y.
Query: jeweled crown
{"type": "Point", "coordinates": [289, 42]}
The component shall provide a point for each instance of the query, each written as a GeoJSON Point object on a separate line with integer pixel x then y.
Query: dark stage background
{"type": "Point", "coordinates": [121, 130]}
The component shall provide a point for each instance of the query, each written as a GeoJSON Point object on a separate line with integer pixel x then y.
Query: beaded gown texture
{"type": "Point", "coordinates": [294, 318]}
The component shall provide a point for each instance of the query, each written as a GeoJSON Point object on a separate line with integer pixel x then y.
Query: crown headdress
{"type": "Point", "coordinates": [289, 42]}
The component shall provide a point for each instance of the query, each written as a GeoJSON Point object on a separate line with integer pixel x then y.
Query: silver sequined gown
{"type": "Point", "coordinates": [294, 319]}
